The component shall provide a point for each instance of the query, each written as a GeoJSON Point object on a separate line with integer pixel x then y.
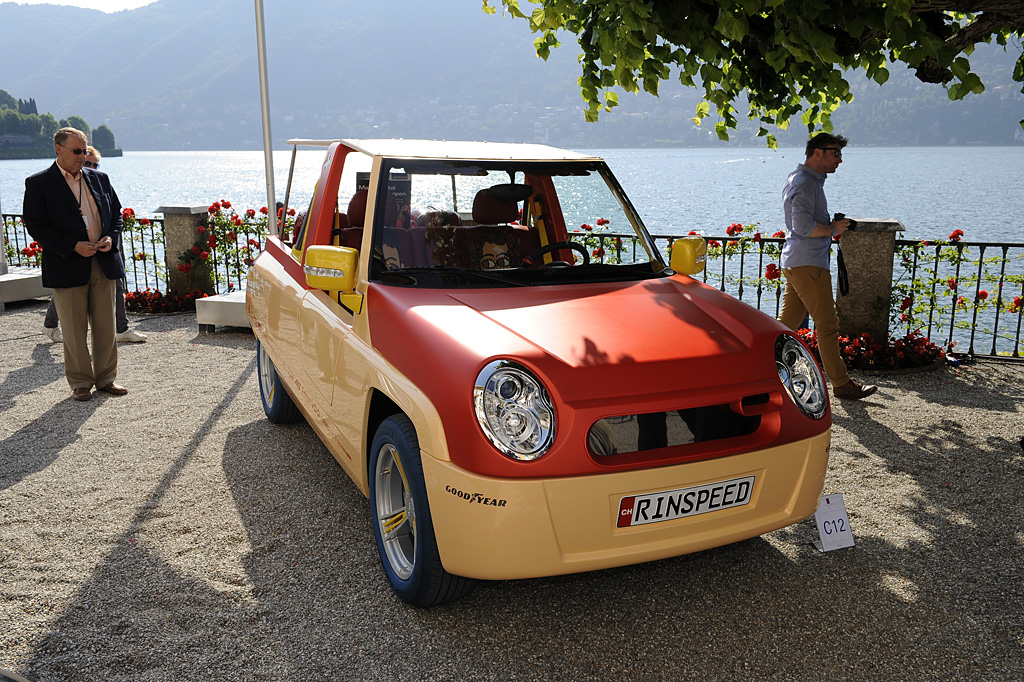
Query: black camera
{"type": "Point", "coordinates": [853, 223]}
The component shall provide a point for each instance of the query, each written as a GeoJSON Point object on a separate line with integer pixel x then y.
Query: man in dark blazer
{"type": "Point", "coordinates": [75, 216]}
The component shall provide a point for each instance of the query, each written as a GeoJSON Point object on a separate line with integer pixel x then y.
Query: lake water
{"type": "Point", "coordinates": [931, 190]}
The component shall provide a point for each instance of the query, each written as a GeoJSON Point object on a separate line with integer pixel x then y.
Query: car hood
{"type": "Point", "coordinates": [588, 340]}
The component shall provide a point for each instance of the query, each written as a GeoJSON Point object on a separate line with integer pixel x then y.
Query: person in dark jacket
{"type": "Point", "coordinates": [75, 216]}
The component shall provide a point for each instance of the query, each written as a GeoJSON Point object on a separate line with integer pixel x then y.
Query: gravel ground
{"type": "Point", "coordinates": [175, 534]}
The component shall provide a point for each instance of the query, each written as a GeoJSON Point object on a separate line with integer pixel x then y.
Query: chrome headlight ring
{"type": "Point", "coordinates": [799, 373]}
{"type": "Point", "coordinates": [514, 410]}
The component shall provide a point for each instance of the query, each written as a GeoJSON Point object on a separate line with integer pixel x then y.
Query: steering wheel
{"type": "Point", "coordinates": [555, 246]}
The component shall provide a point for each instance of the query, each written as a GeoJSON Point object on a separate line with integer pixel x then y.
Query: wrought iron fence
{"type": "Point", "coordinates": [963, 295]}
{"type": "Point", "coordinates": [143, 249]}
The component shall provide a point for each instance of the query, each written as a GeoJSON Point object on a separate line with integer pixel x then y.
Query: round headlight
{"type": "Point", "coordinates": [514, 410]}
{"type": "Point", "coordinates": [800, 375]}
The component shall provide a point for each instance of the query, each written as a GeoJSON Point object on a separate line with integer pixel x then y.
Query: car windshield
{"type": "Point", "coordinates": [450, 223]}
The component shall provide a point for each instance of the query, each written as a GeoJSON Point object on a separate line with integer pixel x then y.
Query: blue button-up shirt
{"type": "Point", "coordinates": [803, 200]}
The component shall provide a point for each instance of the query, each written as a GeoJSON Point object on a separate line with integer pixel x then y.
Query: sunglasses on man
{"type": "Point", "coordinates": [92, 164]}
{"type": "Point", "coordinates": [76, 151]}
{"type": "Point", "coordinates": [835, 150]}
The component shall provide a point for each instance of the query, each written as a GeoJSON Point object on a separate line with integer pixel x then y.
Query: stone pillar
{"type": "Point", "coordinates": [868, 251]}
{"type": "Point", "coordinates": [180, 223]}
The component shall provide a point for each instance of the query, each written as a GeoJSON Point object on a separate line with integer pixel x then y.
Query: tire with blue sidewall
{"type": "Point", "coordinates": [426, 582]}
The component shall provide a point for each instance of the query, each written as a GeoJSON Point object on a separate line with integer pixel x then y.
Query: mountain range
{"type": "Point", "coordinates": [182, 74]}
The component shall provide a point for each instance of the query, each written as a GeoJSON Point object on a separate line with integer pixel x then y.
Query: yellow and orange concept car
{"type": "Point", "coordinates": [490, 343]}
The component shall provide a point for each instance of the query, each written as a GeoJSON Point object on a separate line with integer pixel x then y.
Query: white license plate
{"type": "Point", "coordinates": [637, 510]}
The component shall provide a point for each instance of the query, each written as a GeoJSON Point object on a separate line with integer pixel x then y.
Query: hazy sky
{"type": "Point", "coordinates": [102, 5]}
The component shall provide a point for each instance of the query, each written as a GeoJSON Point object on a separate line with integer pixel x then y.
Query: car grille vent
{"type": "Point", "coordinates": [634, 434]}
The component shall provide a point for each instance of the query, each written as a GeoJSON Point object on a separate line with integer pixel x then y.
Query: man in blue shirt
{"type": "Point", "coordinates": [805, 258]}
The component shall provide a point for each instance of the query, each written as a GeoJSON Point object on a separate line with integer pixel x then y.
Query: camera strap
{"type": "Point", "coordinates": [843, 275]}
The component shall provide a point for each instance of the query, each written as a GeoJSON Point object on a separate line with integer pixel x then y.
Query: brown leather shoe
{"type": "Point", "coordinates": [114, 389]}
{"type": "Point", "coordinates": [82, 394]}
{"type": "Point", "coordinates": [854, 391]}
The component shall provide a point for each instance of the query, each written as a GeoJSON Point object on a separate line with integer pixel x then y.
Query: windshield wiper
{"type": "Point", "coordinates": [455, 270]}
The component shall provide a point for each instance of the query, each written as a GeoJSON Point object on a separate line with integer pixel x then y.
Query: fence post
{"type": "Point", "coordinates": [868, 251]}
{"type": "Point", "coordinates": [180, 223]}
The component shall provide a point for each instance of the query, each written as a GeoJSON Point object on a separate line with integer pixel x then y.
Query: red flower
{"type": "Point", "coordinates": [779, 235]}
{"type": "Point", "coordinates": [196, 250]}
{"type": "Point", "coordinates": [772, 271]}
{"type": "Point", "coordinates": [713, 244]}
{"type": "Point", "coordinates": [734, 229]}
{"type": "Point", "coordinates": [951, 283]}
{"type": "Point", "coordinates": [956, 235]}
{"type": "Point", "coordinates": [201, 229]}
{"type": "Point", "coordinates": [586, 227]}
{"type": "Point", "coordinates": [907, 302]}
{"type": "Point", "coordinates": [692, 232]}
{"type": "Point", "coordinates": [184, 267]}
{"type": "Point", "coordinates": [962, 302]}
{"type": "Point", "coordinates": [250, 213]}
{"type": "Point", "coordinates": [214, 208]}
{"type": "Point", "coordinates": [225, 203]}
{"type": "Point", "coordinates": [231, 236]}
{"type": "Point", "coordinates": [598, 252]}
{"type": "Point", "coordinates": [204, 255]}
{"type": "Point", "coordinates": [1018, 303]}
{"type": "Point", "coordinates": [757, 236]}
{"type": "Point", "coordinates": [603, 221]}
{"type": "Point", "coordinates": [280, 211]}
{"type": "Point", "coordinates": [291, 211]}
{"type": "Point", "coordinates": [143, 221]}
{"type": "Point", "coordinates": [263, 210]}
{"type": "Point", "coordinates": [127, 213]}
{"type": "Point", "coordinates": [983, 294]}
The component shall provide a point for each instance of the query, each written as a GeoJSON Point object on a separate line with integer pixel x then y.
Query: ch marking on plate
{"type": "Point", "coordinates": [637, 510]}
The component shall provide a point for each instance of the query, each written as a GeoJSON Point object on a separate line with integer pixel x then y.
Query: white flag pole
{"type": "Point", "coordinates": [268, 147]}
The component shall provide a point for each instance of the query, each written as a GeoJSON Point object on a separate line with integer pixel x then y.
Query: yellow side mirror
{"type": "Point", "coordinates": [688, 255]}
{"type": "Point", "coordinates": [331, 268]}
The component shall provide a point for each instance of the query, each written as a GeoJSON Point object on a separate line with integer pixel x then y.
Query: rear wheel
{"type": "Point", "coordinates": [402, 525]}
{"type": "Point", "coordinates": [278, 405]}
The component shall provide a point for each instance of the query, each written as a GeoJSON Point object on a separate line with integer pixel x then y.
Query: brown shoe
{"type": "Point", "coordinates": [114, 389]}
{"type": "Point", "coordinates": [854, 391]}
{"type": "Point", "coordinates": [81, 394]}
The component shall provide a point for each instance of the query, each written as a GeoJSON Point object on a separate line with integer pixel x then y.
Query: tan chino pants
{"type": "Point", "coordinates": [78, 308]}
{"type": "Point", "coordinates": [809, 291]}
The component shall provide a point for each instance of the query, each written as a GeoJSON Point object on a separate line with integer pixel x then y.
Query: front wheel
{"type": "Point", "coordinates": [402, 525]}
{"type": "Point", "coordinates": [278, 405]}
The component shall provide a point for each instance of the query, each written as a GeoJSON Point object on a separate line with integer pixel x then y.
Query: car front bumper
{"type": "Point", "coordinates": [499, 529]}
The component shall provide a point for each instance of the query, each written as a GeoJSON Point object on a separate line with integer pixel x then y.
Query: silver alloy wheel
{"type": "Point", "coordinates": [396, 513]}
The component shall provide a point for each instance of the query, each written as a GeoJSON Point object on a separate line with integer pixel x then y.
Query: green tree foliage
{"type": "Point", "coordinates": [76, 122]}
{"type": "Point", "coordinates": [7, 101]}
{"type": "Point", "coordinates": [779, 57]}
{"type": "Point", "coordinates": [103, 138]}
{"type": "Point", "coordinates": [49, 126]}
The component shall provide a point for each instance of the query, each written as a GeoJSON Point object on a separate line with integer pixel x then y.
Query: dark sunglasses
{"type": "Point", "coordinates": [835, 150]}
{"type": "Point", "coordinates": [91, 164]}
{"type": "Point", "coordinates": [75, 151]}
